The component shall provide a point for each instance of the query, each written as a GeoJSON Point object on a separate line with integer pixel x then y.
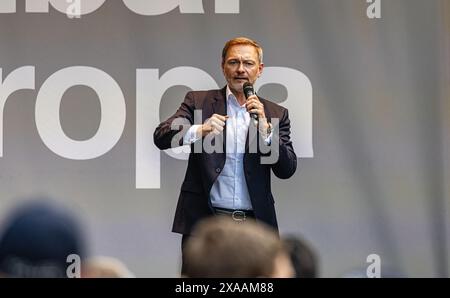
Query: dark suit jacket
{"type": "Point", "coordinates": [204, 168]}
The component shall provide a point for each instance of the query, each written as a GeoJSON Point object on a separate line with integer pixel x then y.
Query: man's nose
{"type": "Point", "coordinates": [241, 67]}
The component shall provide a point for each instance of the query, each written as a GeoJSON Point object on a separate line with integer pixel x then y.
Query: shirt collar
{"type": "Point", "coordinates": [231, 98]}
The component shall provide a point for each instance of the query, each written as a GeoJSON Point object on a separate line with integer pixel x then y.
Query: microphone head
{"type": "Point", "coordinates": [248, 89]}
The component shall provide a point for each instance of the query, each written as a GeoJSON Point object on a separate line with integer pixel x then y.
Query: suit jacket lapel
{"type": "Point", "coordinates": [219, 106]}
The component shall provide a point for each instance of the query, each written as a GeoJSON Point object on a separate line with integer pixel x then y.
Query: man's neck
{"type": "Point", "coordinates": [240, 97]}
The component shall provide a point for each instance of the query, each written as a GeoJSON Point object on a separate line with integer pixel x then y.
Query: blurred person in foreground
{"type": "Point", "coordinates": [105, 267]}
{"type": "Point", "coordinates": [303, 257]}
{"type": "Point", "coordinates": [223, 248]}
{"type": "Point", "coordinates": [37, 240]}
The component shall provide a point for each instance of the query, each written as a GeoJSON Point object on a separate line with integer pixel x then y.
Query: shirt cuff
{"type": "Point", "coordinates": [191, 135]}
{"type": "Point", "coordinates": [268, 140]}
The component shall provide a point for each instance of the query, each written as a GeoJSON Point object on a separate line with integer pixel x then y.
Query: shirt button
{"type": "Point", "coordinates": [218, 170]}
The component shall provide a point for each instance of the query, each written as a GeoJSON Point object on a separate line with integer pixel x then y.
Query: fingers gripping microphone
{"type": "Point", "coordinates": [249, 91]}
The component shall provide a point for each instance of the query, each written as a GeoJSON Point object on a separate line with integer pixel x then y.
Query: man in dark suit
{"type": "Point", "coordinates": [234, 181]}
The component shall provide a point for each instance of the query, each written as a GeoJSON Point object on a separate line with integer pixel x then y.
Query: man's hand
{"type": "Point", "coordinates": [213, 125]}
{"type": "Point", "coordinates": [254, 106]}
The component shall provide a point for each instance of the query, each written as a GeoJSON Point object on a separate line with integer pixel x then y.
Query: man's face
{"type": "Point", "coordinates": [241, 65]}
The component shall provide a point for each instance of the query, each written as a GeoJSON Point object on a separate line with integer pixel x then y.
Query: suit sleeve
{"type": "Point", "coordinates": [169, 129]}
{"type": "Point", "coordinates": [286, 164]}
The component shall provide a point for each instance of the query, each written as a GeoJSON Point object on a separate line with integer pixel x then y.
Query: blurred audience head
{"type": "Point", "coordinates": [105, 267]}
{"type": "Point", "coordinates": [37, 239]}
{"type": "Point", "coordinates": [303, 257]}
{"type": "Point", "coordinates": [221, 247]}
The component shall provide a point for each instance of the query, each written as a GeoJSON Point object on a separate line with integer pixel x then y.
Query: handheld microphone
{"type": "Point", "coordinates": [249, 91]}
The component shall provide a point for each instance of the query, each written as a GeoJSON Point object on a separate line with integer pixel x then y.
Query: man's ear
{"type": "Point", "coordinates": [261, 67]}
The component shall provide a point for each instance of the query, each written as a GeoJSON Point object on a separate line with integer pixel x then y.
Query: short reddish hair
{"type": "Point", "coordinates": [242, 41]}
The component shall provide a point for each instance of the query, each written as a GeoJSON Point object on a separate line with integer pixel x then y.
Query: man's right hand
{"type": "Point", "coordinates": [214, 125]}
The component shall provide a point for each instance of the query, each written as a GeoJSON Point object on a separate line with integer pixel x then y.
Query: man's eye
{"type": "Point", "coordinates": [249, 63]}
{"type": "Point", "coordinates": [232, 62]}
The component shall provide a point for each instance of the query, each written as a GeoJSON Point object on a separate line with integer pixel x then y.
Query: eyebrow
{"type": "Point", "coordinates": [245, 60]}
